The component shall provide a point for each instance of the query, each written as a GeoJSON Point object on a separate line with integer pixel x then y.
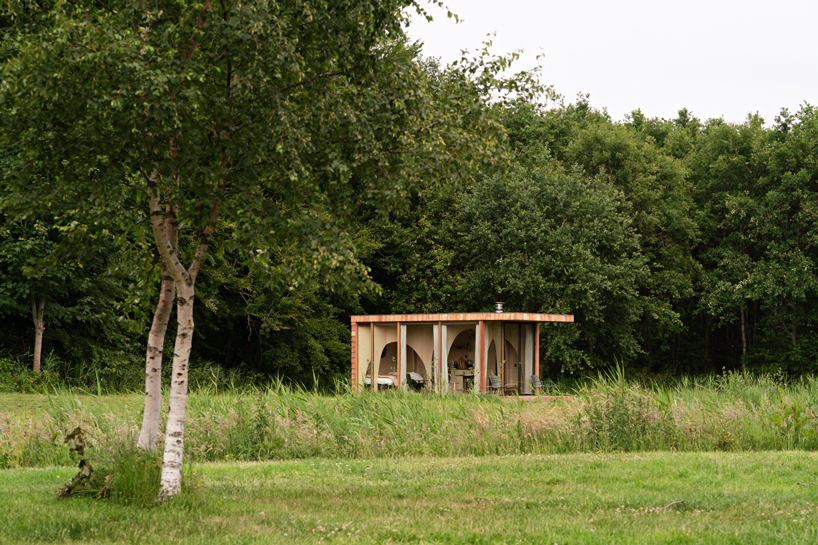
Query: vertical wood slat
{"type": "Point", "coordinates": [440, 357]}
{"type": "Point", "coordinates": [503, 354]}
{"type": "Point", "coordinates": [482, 357]}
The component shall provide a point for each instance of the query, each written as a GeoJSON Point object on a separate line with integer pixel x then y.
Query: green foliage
{"type": "Point", "coordinates": [352, 175]}
{"type": "Point", "coordinates": [131, 476]}
{"type": "Point", "coordinates": [16, 374]}
{"type": "Point", "coordinates": [345, 113]}
{"type": "Point", "coordinates": [721, 217]}
{"type": "Point", "coordinates": [621, 416]}
{"type": "Point", "coordinates": [609, 413]}
{"type": "Point", "coordinates": [568, 247]}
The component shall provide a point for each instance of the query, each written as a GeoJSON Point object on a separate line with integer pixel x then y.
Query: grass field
{"type": "Point", "coordinates": [729, 413]}
{"type": "Point", "coordinates": [736, 498]}
{"type": "Point", "coordinates": [728, 460]}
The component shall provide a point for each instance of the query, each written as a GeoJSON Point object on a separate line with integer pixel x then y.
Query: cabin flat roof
{"type": "Point", "coordinates": [464, 317]}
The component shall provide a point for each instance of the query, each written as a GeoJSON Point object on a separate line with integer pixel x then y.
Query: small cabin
{"type": "Point", "coordinates": [452, 353]}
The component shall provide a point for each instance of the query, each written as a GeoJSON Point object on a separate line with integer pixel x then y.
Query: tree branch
{"type": "Point", "coordinates": [160, 234]}
{"type": "Point", "coordinates": [187, 55]}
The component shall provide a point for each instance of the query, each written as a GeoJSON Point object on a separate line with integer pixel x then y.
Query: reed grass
{"type": "Point", "coordinates": [609, 413]}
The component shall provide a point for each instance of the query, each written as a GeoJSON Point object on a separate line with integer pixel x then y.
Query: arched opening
{"type": "Point", "coordinates": [461, 358]}
{"type": "Point", "coordinates": [388, 364]}
{"type": "Point", "coordinates": [413, 363]}
{"type": "Point", "coordinates": [491, 360]}
{"type": "Point", "coordinates": [461, 354]}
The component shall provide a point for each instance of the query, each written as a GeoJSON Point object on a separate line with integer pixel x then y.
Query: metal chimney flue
{"type": "Point", "coordinates": [498, 307]}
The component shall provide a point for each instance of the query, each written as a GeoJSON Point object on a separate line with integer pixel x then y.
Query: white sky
{"type": "Point", "coordinates": [718, 58]}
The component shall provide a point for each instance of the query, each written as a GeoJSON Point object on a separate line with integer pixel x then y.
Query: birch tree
{"type": "Point", "coordinates": [273, 116]}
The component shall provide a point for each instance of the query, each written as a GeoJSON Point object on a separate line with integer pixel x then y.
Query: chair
{"type": "Point", "coordinates": [494, 384]}
{"type": "Point", "coordinates": [538, 385]}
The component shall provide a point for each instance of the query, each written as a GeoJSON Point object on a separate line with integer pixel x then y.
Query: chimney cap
{"type": "Point", "coordinates": [498, 307]}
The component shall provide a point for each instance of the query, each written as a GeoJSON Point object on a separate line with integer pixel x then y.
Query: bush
{"type": "Point", "coordinates": [16, 374]}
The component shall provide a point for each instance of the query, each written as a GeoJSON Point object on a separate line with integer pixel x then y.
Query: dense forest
{"type": "Point", "coordinates": [682, 246]}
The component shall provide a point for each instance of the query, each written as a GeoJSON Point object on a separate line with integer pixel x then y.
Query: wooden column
{"type": "Point", "coordinates": [354, 345]}
{"type": "Point", "coordinates": [439, 384]}
{"type": "Point", "coordinates": [503, 354]}
{"type": "Point", "coordinates": [481, 358]}
{"type": "Point", "coordinates": [374, 377]}
{"type": "Point", "coordinates": [398, 363]}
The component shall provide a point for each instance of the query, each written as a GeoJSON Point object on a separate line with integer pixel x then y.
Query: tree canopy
{"type": "Point", "coordinates": [300, 162]}
{"type": "Point", "coordinates": [274, 118]}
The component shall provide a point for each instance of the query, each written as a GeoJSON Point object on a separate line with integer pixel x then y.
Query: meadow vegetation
{"type": "Point", "coordinates": [723, 459]}
{"type": "Point", "coordinates": [733, 412]}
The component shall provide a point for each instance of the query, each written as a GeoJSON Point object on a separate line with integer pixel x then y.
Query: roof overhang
{"type": "Point", "coordinates": [464, 317]}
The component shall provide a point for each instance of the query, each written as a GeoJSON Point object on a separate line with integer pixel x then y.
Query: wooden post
{"type": "Point", "coordinates": [398, 360]}
{"type": "Point", "coordinates": [374, 377]}
{"type": "Point", "coordinates": [503, 354]}
{"type": "Point", "coordinates": [440, 357]}
{"type": "Point", "coordinates": [481, 358]}
{"type": "Point", "coordinates": [354, 345]}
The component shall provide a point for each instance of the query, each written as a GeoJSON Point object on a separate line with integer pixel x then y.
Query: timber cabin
{"type": "Point", "coordinates": [449, 352]}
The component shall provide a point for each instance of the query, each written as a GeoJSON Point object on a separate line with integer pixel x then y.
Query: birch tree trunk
{"type": "Point", "coordinates": [156, 344]}
{"type": "Point", "coordinates": [185, 280]}
{"type": "Point", "coordinates": [37, 311]}
{"type": "Point", "coordinates": [175, 429]}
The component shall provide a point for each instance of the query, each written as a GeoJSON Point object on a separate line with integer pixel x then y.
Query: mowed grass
{"type": "Point", "coordinates": [747, 497]}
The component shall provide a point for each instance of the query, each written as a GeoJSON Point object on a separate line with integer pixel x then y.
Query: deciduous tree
{"type": "Point", "coordinates": [273, 116]}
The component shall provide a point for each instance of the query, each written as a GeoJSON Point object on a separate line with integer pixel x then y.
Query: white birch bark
{"type": "Point", "coordinates": [185, 280]}
{"type": "Point", "coordinates": [175, 429]}
{"type": "Point", "coordinates": [37, 311]}
{"type": "Point", "coordinates": [156, 344]}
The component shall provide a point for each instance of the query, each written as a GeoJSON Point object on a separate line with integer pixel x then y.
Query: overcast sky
{"type": "Point", "coordinates": [718, 58]}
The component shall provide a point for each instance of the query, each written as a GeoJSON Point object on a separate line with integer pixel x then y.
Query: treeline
{"type": "Point", "coordinates": [681, 246]}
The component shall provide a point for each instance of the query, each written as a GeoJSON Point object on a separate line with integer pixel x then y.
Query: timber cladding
{"type": "Point", "coordinates": [465, 317]}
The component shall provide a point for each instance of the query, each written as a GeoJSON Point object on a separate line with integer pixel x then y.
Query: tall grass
{"type": "Point", "coordinates": [608, 413]}
{"type": "Point", "coordinates": [109, 371]}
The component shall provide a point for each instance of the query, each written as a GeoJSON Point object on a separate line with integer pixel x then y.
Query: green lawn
{"type": "Point", "coordinates": [737, 498]}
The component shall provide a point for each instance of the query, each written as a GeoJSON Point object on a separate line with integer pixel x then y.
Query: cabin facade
{"type": "Point", "coordinates": [451, 353]}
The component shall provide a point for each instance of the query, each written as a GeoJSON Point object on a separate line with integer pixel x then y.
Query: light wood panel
{"type": "Point", "coordinates": [421, 339]}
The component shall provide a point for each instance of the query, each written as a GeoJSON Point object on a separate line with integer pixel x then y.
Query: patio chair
{"type": "Point", "coordinates": [494, 384]}
{"type": "Point", "coordinates": [539, 386]}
